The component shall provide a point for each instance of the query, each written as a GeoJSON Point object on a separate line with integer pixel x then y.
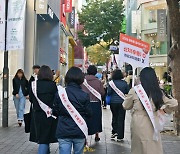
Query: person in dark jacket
{"type": "Point", "coordinates": [20, 92]}
{"type": "Point", "coordinates": [118, 113]}
{"type": "Point", "coordinates": [95, 122]}
{"type": "Point", "coordinates": [35, 72]}
{"type": "Point", "coordinates": [42, 128]}
{"type": "Point", "coordinates": [68, 132]}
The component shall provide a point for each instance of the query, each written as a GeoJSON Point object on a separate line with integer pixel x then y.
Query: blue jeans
{"type": "Point", "coordinates": [43, 149]}
{"type": "Point", "coordinates": [20, 106]}
{"type": "Point", "coordinates": [65, 146]}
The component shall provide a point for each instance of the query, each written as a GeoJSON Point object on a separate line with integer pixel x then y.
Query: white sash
{"type": "Point", "coordinates": [148, 107]}
{"type": "Point", "coordinates": [78, 119]}
{"type": "Point", "coordinates": [43, 106]}
{"type": "Point", "coordinates": [119, 92]}
{"type": "Point", "coordinates": [92, 90]}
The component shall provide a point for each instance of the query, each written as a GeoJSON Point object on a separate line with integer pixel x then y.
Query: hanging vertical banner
{"type": "Point", "coordinates": [161, 25]}
{"type": "Point", "coordinates": [71, 18]}
{"type": "Point", "coordinates": [68, 6]}
{"type": "Point", "coordinates": [2, 25]}
{"type": "Point", "coordinates": [16, 24]}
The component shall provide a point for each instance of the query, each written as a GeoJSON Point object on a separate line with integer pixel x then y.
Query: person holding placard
{"type": "Point", "coordinates": [148, 104]}
{"type": "Point", "coordinates": [116, 89]}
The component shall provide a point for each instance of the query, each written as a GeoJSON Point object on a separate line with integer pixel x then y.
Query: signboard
{"type": "Point", "coordinates": [41, 6]}
{"type": "Point", "coordinates": [72, 18]}
{"type": "Point", "coordinates": [2, 25]}
{"type": "Point", "coordinates": [134, 51]}
{"type": "Point", "coordinates": [133, 22]}
{"type": "Point", "coordinates": [68, 6]}
{"type": "Point", "coordinates": [161, 25]}
{"type": "Point", "coordinates": [16, 24]}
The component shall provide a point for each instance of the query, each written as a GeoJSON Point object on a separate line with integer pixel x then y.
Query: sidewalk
{"type": "Point", "coordinates": [13, 140]}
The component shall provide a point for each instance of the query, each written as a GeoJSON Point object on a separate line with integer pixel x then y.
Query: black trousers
{"type": "Point", "coordinates": [118, 119]}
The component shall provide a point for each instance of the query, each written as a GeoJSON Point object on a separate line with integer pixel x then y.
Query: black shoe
{"type": "Point", "coordinates": [113, 136]}
{"type": "Point", "coordinates": [97, 139]}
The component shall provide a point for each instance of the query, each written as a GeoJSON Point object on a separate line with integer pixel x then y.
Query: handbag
{"type": "Point", "coordinates": [108, 100]}
{"type": "Point", "coordinates": [27, 120]}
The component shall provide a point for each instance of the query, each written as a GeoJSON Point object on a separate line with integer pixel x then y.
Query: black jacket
{"type": "Point", "coordinates": [20, 82]}
{"type": "Point", "coordinates": [121, 85]}
{"type": "Point", "coordinates": [42, 128]}
{"type": "Point", "coordinates": [67, 128]}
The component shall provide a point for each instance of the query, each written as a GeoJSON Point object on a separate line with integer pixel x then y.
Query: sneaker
{"type": "Point", "coordinates": [119, 140]}
{"type": "Point", "coordinates": [113, 136]}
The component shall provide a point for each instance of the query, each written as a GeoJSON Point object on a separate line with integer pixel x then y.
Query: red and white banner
{"type": "Point", "coordinates": [43, 106]}
{"type": "Point", "coordinates": [119, 92]}
{"type": "Point", "coordinates": [134, 51]}
{"type": "Point", "coordinates": [2, 25]}
{"type": "Point", "coordinates": [92, 90]}
{"type": "Point", "coordinates": [148, 107]}
{"type": "Point", "coordinates": [78, 119]}
{"type": "Point", "coordinates": [68, 6]}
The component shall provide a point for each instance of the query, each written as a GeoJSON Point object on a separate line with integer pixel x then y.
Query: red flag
{"type": "Point", "coordinates": [68, 6]}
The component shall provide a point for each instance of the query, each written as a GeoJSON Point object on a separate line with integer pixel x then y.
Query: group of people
{"type": "Point", "coordinates": [68, 115]}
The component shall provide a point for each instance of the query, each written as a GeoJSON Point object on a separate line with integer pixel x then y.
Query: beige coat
{"type": "Point", "coordinates": [141, 128]}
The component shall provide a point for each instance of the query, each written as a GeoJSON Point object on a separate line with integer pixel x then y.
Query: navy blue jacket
{"type": "Point", "coordinates": [67, 128]}
{"type": "Point", "coordinates": [121, 85]}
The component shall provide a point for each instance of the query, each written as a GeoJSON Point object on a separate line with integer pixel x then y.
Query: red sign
{"type": "Point", "coordinates": [68, 6]}
{"type": "Point", "coordinates": [63, 14]}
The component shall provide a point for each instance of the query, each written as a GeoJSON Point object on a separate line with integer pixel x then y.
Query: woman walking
{"type": "Point", "coordinates": [147, 99]}
{"type": "Point", "coordinates": [95, 89]}
{"type": "Point", "coordinates": [20, 92]}
{"type": "Point", "coordinates": [69, 133]}
{"type": "Point", "coordinates": [43, 128]}
{"type": "Point", "coordinates": [118, 113]}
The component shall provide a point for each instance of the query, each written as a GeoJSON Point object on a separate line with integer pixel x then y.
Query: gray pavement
{"type": "Point", "coordinates": [13, 140]}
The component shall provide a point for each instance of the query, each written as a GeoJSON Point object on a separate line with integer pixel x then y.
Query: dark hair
{"type": "Point", "coordinates": [150, 84]}
{"type": "Point", "coordinates": [75, 75]}
{"type": "Point", "coordinates": [45, 73]}
{"type": "Point", "coordinates": [36, 67]}
{"type": "Point", "coordinates": [130, 72]}
{"type": "Point", "coordinates": [117, 75]}
{"type": "Point", "coordinates": [20, 71]}
{"type": "Point", "coordinates": [92, 70]}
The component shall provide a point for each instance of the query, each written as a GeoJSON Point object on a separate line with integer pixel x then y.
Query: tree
{"type": "Point", "coordinates": [102, 21]}
{"type": "Point", "coordinates": [174, 53]}
{"type": "Point", "coordinates": [97, 54]}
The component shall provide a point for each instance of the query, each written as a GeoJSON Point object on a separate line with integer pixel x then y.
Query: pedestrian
{"type": "Point", "coordinates": [20, 92]}
{"type": "Point", "coordinates": [129, 78]}
{"type": "Point", "coordinates": [144, 100]}
{"type": "Point", "coordinates": [118, 113]}
{"type": "Point", "coordinates": [104, 82]}
{"type": "Point", "coordinates": [95, 89]}
{"type": "Point", "coordinates": [69, 134]}
{"type": "Point", "coordinates": [35, 73]}
{"type": "Point", "coordinates": [42, 128]}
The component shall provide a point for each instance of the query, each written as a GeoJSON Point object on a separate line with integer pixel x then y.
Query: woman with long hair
{"type": "Point", "coordinates": [43, 129]}
{"type": "Point", "coordinates": [118, 113]}
{"type": "Point", "coordinates": [142, 127]}
{"type": "Point", "coordinates": [20, 92]}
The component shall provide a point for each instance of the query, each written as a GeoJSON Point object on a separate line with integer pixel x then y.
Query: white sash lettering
{"type": "Point", "coordinates": [148, 107]}
{"type": "Point", "coordinates": [78, 119]}
{"type": "Point", "coordinates": [92, 90]}
{"type": "Point", "coordinates": [119, 92]}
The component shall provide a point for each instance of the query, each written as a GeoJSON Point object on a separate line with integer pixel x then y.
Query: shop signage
{"type": "Point", "coordinates": [2, 25]}
{"type": "Point", "coordinates": [157, 64]}
{"type": "Point", "coordinates": [68, 6]}
{"type": "Point", "coordinates": [41, 6]}
{"type": "Point", "coordinates": [16, 24]}
{"type": "Point", "coordinates": [161, 25]}
{"type": "Point", "coordinates": [72, 18]}
{"type": "Point", "coordinates": [134, 51]}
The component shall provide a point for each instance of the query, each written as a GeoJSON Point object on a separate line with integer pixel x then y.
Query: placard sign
{"type": "Point", "coordinates": [134, 51]}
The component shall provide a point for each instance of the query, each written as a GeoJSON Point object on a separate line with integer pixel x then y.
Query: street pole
{"type": "Point", "coordinates": [5, 77]}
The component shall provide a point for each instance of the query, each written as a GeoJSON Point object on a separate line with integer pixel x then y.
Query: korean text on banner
{"type": "Point", "coordinates": [68, 6]}
{"type": "Point", "coordinates": [16, 24]}
{"type": "Point", "coordinates": [2, 25]}
{"type": "Point", "coordinates": [134, 51]}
